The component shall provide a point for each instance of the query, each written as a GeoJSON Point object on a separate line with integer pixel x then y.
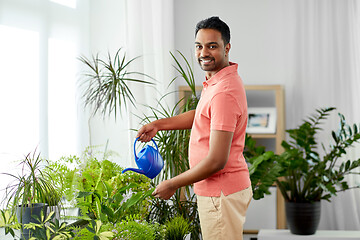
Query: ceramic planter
{"type": "Point", "coordinates": [27, 215]}
{"type": "Point", "coordinates": [303, 218]}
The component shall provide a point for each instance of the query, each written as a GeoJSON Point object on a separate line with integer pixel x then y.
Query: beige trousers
{"type": "Point", "coordinates": [223, 217]}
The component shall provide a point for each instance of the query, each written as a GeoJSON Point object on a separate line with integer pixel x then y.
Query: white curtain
{"type": "Point", "coordinates": [327, 54]}
{"type": "Point", "coordinates": [145, 29]}
{"type": "Point", "coordinates": [150, 34]}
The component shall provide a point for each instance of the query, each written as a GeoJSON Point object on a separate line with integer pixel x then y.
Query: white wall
{"type": "Point", "coordinates": [107, 34]}
{"type": "Point", "coordinates": [261, 33]}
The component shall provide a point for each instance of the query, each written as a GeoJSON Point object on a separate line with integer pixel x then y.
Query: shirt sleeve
{"type": "Point", "coordinates": [224, 112]}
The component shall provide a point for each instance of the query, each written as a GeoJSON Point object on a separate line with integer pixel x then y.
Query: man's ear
{"type": "Point", "coordinates": [227, 49]}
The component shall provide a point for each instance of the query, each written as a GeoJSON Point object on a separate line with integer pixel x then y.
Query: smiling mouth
{"type": "Point", "coordinates": [205, 60]}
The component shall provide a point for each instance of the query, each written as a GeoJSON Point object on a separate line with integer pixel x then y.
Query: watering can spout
{"type": "Point", "coordinates": [134, 170]}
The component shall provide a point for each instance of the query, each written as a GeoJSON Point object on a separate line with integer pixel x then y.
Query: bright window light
{"type": "Point", "coordinates": [67, 3]}
{"type": "Point", "coordinates": [19, 91]}
{"type": "Point", "coordinates": [19, 97]}
{"type": "Point", "coordinates": [61, 95]}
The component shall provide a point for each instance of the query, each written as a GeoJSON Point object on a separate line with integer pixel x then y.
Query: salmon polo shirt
{"type": "Point", "coordinates": [222, 106]}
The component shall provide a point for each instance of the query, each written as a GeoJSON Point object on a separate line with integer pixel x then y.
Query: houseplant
{"type": "Point", "coordinates": [177, 228]}
{"type": "Point", "coordinates": [94, 185]}
{"type": "Point", "coordinates": [106, 83]}
{"type": "Point", "coordinates": [135, 227]}
{"type": "Point", "coordinates": [263, 167]}
{"type": "Point", "coordinates": [173, 147]}
{"type": "Point", "coordinates": [31, 192]}
{"type": "Point", "coordinates": [47, 229]}
{"type": "Point", "coordinates": [308, 175]}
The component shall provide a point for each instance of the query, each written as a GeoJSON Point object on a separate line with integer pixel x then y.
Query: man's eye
{"type": "Point", "coordinates": [198, 47]}
{"type": "Point", "coordinates": [212, 46]}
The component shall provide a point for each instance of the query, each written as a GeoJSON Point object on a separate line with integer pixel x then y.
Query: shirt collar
{"type": "Point", "coordinates": [220, 74]}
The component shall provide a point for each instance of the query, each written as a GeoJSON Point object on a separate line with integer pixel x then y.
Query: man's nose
{"type": "Point", "coordinates": [204, 52]}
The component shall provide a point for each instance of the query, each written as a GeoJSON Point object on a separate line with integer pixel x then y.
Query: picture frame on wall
{"type": "Point", "coordinates": [261, 120]}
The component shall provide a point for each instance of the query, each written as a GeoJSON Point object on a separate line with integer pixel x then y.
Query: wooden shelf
{"type": "Point", "coordinates": [279, 136]}
{"type": "Point", "coordinates": [263, 135]}
{"type": "Point", "coordinates": [280, 109]}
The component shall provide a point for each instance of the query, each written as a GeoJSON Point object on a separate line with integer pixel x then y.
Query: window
{"type": "Point", "coordinates": [39, 44]}
{"type": "Point", "coordinates": [19, 92]}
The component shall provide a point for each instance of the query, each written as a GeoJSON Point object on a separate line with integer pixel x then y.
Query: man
{"type": "Point", "coordinates": [217, 167]}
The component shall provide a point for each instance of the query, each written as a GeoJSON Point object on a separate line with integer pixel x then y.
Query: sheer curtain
{"type": "Point", "coordinates": [145, 30]}
{"type": "Point", "coordinates": [327, 54]}
{"type": "Point", "coordinates": [150, 34]}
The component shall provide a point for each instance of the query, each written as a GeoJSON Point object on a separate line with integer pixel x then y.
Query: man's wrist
{"type": "Point", "coordinates": [173, 182]}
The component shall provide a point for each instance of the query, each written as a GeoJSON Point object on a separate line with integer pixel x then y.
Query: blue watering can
{"type": "Point", "coordinates": [149, 161]}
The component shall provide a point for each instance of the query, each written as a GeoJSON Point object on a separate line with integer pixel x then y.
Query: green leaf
{"type": "Point", "coordinates": [347, 165]}
{"type": "Point", "coordinates": [106, 235]}
{"type": "Point", "coordinates": [334, 137]}
{"type": "Point", "coordinates": [355, 127]}
{"type": "Point", "coordinates": [84, 194]}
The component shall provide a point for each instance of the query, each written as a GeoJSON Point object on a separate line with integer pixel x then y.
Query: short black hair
{"type": "Point", "coordinates": [217, 24]}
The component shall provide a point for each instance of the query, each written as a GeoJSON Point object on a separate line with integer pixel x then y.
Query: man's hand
{"type": "Point", "coordinates": [147, 132]}
{"type": "Point", "coordinates": [181, 121]}
{"type": "Point", "coordinates": [164, 190]}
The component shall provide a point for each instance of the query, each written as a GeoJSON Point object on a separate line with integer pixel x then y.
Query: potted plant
{"type": "Point", "coordinates": [96, 189]}
{"type": "Point", "coordinates": [308, 175]}
{"type": "Point", "coordinates": [134, 227]}
{"type": "Point", "coordinates": [106, 83]}
{"type": "Point", "coordinates": [30, 193]}
{"type": "Point", "coordinates": [177, 228]}
{"type": "Point", "coordinates": [263, 167]}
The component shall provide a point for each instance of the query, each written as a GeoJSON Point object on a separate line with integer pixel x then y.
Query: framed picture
{"type": "Point", "coordinates": [261, 120]}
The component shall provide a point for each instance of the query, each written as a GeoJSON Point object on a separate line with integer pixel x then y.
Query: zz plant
{"type": "Point", "coordinates": [263, 167]}
{"type": "Point", "coordinates": [307, 174]}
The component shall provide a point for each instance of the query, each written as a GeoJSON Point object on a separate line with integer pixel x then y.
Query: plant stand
{"type": "Point", "coordinates": [282, 234]}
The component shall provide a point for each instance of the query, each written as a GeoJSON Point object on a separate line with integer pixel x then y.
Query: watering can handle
{"type": "Point", "coordinates": [157, 149]}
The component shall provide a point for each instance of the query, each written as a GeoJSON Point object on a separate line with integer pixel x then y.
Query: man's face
{"type": "Point", "coordinates": [210, 51]}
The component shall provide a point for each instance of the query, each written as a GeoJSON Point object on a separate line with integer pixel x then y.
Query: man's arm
{"type": "Point", "coordinates": [181, 121]}
{"type": "Point", "coordinates": [219, 150]}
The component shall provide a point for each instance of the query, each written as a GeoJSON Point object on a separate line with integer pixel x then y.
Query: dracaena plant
{"type": "Point", "coordinates": [173, 147]}
{"type": "Point", "coordinates": [106, 83]}
{"type": "Point", "coordinates": [32, 185]}
{"type": "Point", "coordinates": [307, 174]}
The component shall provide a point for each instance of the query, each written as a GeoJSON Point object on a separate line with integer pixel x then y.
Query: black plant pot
{"type": "Point", "coordinates": [303, 218]}
{"type": "Point", "coordinates": [28, 214]}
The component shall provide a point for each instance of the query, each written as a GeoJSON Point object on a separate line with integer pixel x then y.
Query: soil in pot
{"type": "Point", "coordinates": [303, 218]}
